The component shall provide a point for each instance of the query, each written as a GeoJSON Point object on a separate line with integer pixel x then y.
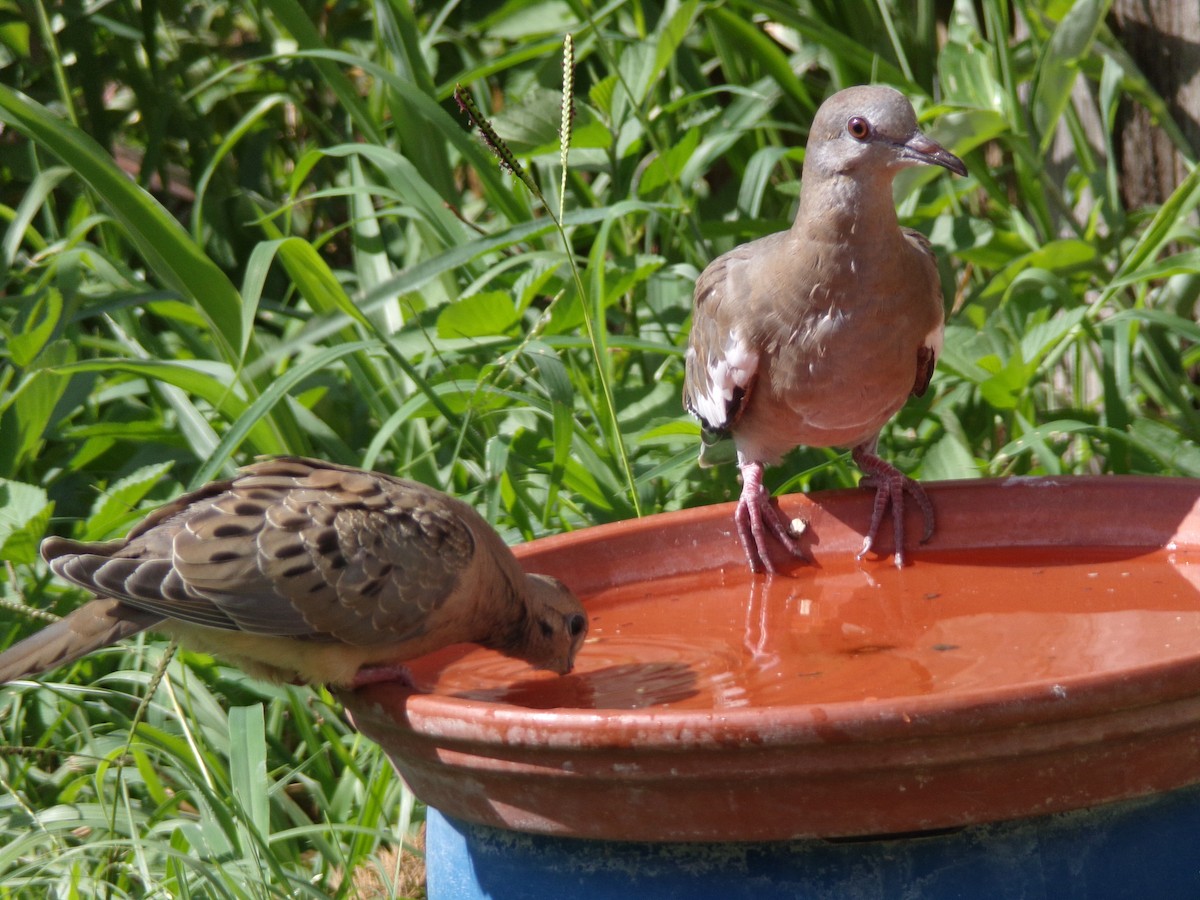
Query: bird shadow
{"type": "Point", "coordinates": [624, 686]}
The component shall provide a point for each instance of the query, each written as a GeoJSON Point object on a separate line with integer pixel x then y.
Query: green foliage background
{"type": "Point", "coordinates": [264, 227]}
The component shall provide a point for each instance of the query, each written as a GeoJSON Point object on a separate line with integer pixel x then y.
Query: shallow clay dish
{"type": "Point", "coordinates": [1041, 653]}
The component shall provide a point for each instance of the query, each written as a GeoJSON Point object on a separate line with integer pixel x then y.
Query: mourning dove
{"type": "Point", "coordinates": [299, 570]}
{"type": "Point", "coordinates": [818, 334]}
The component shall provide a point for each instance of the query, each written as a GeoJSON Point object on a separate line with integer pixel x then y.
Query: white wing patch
{"type": "Point", "coordinates": [933, 340]}
{"type": "Point", "coordinates": [730, 370]}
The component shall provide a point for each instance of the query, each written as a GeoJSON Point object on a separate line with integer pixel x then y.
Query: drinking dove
{"type": "Point", "coordinates": [300, 570]}
{"type": "Point", "coordinates": [818, 334]}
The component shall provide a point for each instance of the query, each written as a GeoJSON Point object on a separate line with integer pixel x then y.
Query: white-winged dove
{"type": "Point", "coordinates": [818, 334]}
{"type": "Point", "coordinates": [300, 570]}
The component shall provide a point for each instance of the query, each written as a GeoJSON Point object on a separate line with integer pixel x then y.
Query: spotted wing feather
{"type": "Point", "coordinates": [290, 547]}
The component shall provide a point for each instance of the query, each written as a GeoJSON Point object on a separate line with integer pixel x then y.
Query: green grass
{"type": "Point", "coordinates": [316, 255]}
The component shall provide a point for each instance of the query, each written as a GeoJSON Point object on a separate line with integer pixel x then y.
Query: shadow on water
{"type": "Point", "coordinates": [624, 686]}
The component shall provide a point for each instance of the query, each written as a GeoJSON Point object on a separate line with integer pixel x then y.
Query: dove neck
{"type": "Point", "coordinates": [511, 632]}
{"type": "Point", "coordinates": [502, 611]}
{"type": "Point", "coordinates": [839, 208]}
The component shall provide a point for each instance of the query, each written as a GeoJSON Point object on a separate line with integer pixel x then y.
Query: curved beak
{"type": "Point", "coordinates": [926, 151]}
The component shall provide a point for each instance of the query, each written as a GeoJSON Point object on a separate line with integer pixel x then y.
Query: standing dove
{"type": "Point", "coordinates": [818, 334]}
{"type": "Point", "coordinates": [300, 570]}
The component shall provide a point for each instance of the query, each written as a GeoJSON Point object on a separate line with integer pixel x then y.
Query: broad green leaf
{"type": "Point", "coordinates": [33, 401]}
{"type": "Point", "coordinates": [672, 35]}
{"type": "Point", "coordinates": [968, 76]}
{"type": "Point", "coordinates": [1056, 256]}
{"type": "Point", "coordinates": [119, 503]}
{"type": "Point", "coordinates": [1163, 442]}
{"type": "Point", "coordinates": [531, 124]}
{"type": "Point", "coordinates": [669, 165]}
{"type": "Point", "coordinates": [248, 777]}
{"type": "Point", "coordinates": [43, 316]}
{"type": "Point", "coordinates": [489, 313]}
{"type": "Point", "coordinates": [601, 94]}
{"type": "Point", "coordinates": [1040, 338]}
{"type": "Point", "coordinates": [24, 516]}
{"type": "Point", "coordinates": [948, 459]}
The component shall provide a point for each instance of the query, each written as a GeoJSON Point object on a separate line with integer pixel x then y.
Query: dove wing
{"type": "Point", "coordinates": [290, 547]}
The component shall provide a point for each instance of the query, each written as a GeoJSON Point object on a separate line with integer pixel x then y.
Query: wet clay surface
{"type": "Point", "coordinates": [1040, 654]}
{"type": "Point", "coordinates": [954, 623]}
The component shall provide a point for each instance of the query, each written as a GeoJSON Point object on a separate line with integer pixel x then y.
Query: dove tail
{"type": "Point", "coordinates": [94, 625]}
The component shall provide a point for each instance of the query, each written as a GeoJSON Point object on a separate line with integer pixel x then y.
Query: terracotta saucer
{"type": "Point", "coordinates": [1041, 653]}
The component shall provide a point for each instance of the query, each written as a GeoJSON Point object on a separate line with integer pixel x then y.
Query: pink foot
{"type": "Point", "coordinates": [890, 487]}
{"type": "Point", "coordinates": [384, 673]}
{"type": "Point", "coordinates": [756, 516]}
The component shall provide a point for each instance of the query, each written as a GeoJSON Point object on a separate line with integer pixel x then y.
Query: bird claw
{"type": "Point", "coordinates": [755, 516]}
{"type": "Point", "coordinates": [890, 486]}
{"type": "Point", "coordinates": [868, 541]}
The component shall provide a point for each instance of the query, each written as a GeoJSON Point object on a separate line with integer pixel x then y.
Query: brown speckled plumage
{"type": "Point", "coordinates": [303, 570]}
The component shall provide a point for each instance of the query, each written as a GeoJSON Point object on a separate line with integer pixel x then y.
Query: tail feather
{"type": "Point", "coordinates": [94, 625]}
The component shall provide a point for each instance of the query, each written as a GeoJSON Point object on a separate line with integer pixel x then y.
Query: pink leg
{"type": "Point", "coordinates": [384, 673]}
{"type": "Point", "coordinates": [890, 487]}
{"type": "Point", "coordinates": [756, 516]}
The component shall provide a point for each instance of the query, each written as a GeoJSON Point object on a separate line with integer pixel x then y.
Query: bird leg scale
{"type": "Point", "coordinates": [890, 487]}
{"type": "Point", "coordinates": [755, 516]}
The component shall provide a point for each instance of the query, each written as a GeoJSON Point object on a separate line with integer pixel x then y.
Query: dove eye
{"type": "Point", "coordinates": [859, 128]}
{"type": "Point", "coordinates": [576, 624]}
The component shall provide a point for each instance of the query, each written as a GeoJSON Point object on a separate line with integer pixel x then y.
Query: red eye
{"type": "Point", "coordinates": [859, 128]}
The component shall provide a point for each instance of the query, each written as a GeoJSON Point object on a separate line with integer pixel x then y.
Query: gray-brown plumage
{"type": "Point", "coordinates": [817, 335]}
{"type": "Point", "coordinates": [300, 570]}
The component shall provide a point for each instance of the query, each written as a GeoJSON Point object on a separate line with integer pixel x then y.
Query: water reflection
{"type": "Point", "coordinates": [953, 622]}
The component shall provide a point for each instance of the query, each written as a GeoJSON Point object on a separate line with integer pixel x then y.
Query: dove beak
{"type": "Point", "coordinates": [926, 151]}
{"type": "Point", "coordinates": [558, 666]}
{"type": "Point", "coordinates": [563, 666]}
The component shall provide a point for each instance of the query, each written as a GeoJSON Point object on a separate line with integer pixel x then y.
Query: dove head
{"type": "Point", "coordinates": [869, 130]}
{"type": "Point", "coordinates": [557, 625]}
